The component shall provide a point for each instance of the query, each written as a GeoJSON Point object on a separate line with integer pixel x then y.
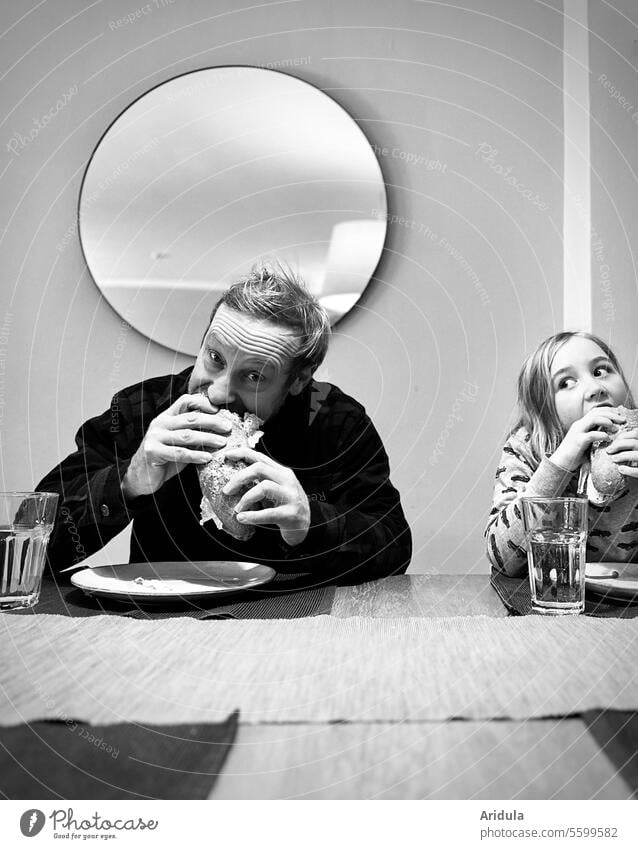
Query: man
{"type": "Point", "coordinates": [317, 486]}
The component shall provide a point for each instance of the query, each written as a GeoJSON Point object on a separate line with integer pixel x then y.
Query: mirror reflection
{"type": "Point", "coordinates": [214, 171]}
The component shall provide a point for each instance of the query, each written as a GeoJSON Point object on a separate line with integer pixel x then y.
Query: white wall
{"type": "Point", "coordinates": [613, 49]}
{"type": "Point", "coordinates": [470, 280]}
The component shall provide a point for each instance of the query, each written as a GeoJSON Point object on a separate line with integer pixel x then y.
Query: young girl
{"type": "Point", "coordinates": [568, 392]}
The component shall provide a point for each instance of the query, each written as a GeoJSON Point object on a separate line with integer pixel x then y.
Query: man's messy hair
{"type": "Point", "coordinates": [275, 293]}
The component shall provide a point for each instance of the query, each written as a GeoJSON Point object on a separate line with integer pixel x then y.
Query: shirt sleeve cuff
{"type": "Point", "coordinates": [107, 498]}
{"type": "Point", "coordinates": [549, 480]}
{"type": "Point", "coordinates": [323, 535]}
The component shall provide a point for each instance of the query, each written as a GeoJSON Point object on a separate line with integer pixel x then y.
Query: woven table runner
{"type": "Point", "coordinates": [280, 599]}
{"type": "Point", "coordinates": [72, 760]}
{"type": "Point", "coordinates": [110, 670]}
{"type": "Point", "coordinates": [516, 595]}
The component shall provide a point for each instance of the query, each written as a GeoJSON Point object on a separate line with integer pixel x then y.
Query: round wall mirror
{"type": "Point", "coordinates": [214, 171]}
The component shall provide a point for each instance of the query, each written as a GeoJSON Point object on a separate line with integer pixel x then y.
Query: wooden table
{"type": "Point", "coordinates": [413, 759]}
{"type": "Point", "coordinates": [536, 759]}
{"type": "Point", "coordinates": [420, 595]}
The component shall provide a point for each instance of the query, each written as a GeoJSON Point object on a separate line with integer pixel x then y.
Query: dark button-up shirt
{"type": "Point", "coordinates": [357, 532]}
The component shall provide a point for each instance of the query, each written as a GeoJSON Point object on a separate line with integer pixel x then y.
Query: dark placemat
{"type": "Point", "coordinates": [71, 760]}
{"type": "Point", "coordinates": [287, 596]}
{"type": "Point", "coordinates": [616, 732]}
{"type": "Point", "coordinates": [514, 593]}
{"type": "Point", "coordinates": [290, 605]}
{"type": "Point", "coordinates": [516, 596]}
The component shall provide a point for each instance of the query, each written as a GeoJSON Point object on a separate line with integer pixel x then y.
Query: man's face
{"type": "Point", "coordinates": [244, 364]}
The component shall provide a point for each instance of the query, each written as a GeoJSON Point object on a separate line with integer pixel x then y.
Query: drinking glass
{"type": "Point", "coordinates": [26, 522]}
{"type": "Point", "coordinates": [556, 537]}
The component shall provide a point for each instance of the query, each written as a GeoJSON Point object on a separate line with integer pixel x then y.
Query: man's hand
{"type": "Point", "coordinates": [277, 487]}
{"type": "Point", "coordinates": [184, 433]}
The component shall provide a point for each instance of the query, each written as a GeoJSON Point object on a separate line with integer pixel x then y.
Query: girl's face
{"type": "Point", "coordinates": [583, 377]}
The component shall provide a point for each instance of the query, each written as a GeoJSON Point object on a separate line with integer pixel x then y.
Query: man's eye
{"type": "Point", "coordinates": [214, 356]}
{"type": "Point", "coordinates": [254, 377]}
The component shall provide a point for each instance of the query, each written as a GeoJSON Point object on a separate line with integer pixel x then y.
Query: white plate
{"type": "Point", "coordinates": [170, 581]}
{"type": "Point", "coordinates": [624, 588]}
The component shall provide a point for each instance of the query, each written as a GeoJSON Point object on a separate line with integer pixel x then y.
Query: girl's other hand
{"type": "Point", "coordinates": [595, 426]}
{"type": "Point", "coordinates": [624, 451]}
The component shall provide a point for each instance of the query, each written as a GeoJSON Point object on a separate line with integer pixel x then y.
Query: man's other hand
{"type": "Point", "coordinates": [276, 498]}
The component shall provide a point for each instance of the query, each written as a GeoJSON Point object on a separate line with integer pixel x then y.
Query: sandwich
{"type": "Point", "coordinates": [214, 476]}
{"type": "Point", "coordinates": [606, 481]}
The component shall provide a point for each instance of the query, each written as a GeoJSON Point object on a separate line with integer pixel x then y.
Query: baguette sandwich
{"type": "Point", "coordinates": [214, 476]}
{"type": "Point", "coordinates": [606, 481]}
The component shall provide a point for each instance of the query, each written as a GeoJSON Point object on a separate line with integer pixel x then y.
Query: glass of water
{"type": "Point", "coordinates": [556, 536]}
{"type": "Point", "coordinates": [26, 522]}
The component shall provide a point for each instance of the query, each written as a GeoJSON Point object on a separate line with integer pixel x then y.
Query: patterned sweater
{"type": "Point", "coordinates": [613, 529]}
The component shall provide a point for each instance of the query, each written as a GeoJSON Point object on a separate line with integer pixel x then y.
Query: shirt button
{"type": "Point", "coordinates": [104, 510]}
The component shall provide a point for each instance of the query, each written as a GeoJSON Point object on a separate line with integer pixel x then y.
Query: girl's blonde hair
{"type": "Point", "coordinates": [536, 407]}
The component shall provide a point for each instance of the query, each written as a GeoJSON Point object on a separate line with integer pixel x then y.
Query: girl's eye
{"type": "Point", "coordinates": [566, 383]}
{"type": "Point", "coordinates": [602, 371]}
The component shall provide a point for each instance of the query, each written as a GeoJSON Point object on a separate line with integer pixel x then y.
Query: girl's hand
{"type": "Point", "coordinates": [583, 433]}
{"type": "Point", "coordinates": [624, 451]}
